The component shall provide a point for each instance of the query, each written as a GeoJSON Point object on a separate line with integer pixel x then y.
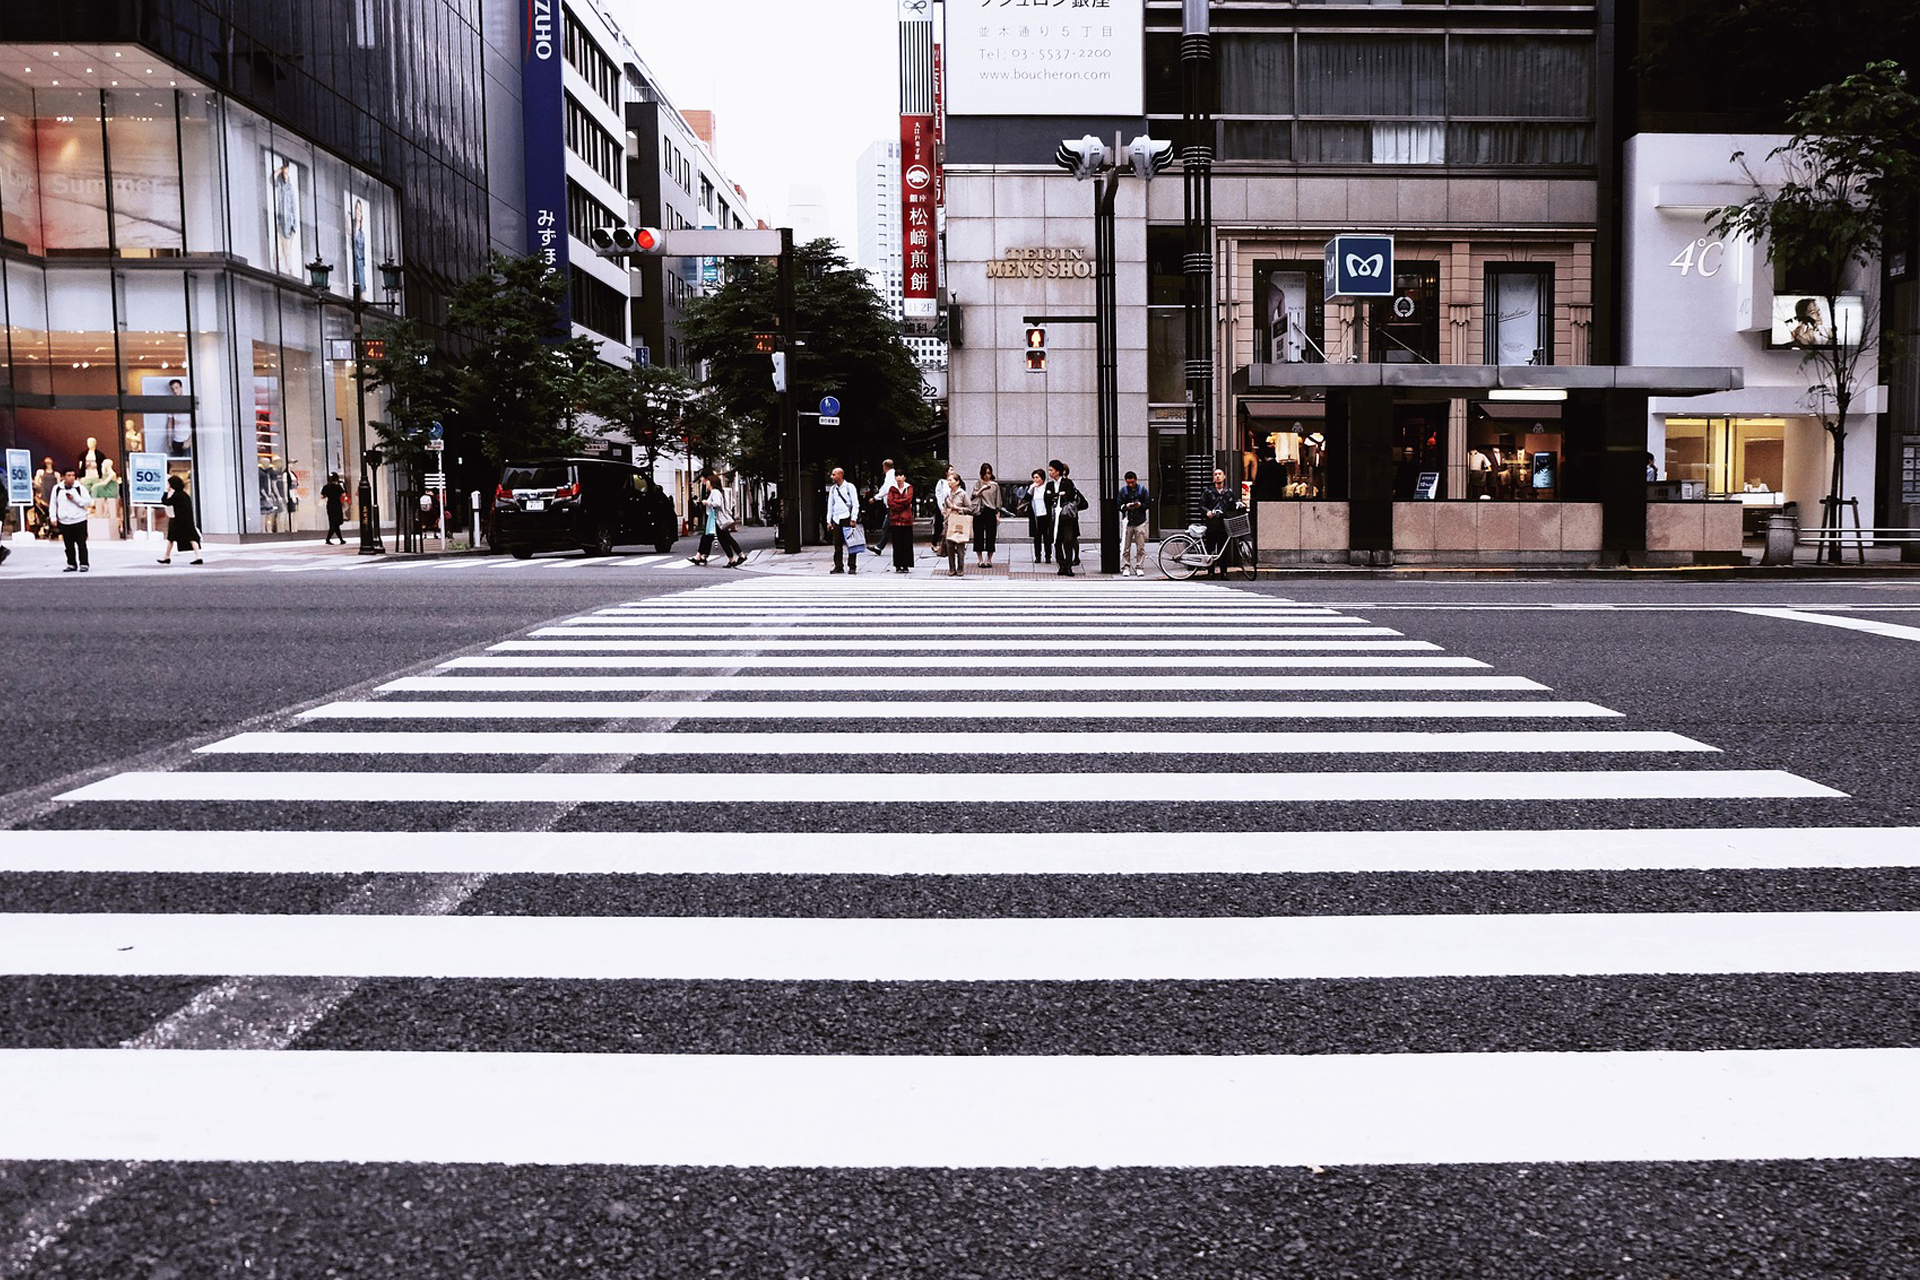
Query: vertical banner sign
{"type": "Point", "coordinates": [543, 126]}
{"type": "Point", "coordinates": [939, 131]}
{"type": "Point", "coordinates": [146, 479]}
{"type": "Point", "coordinates": [920, 250]}
{"type": "Point", "coordinates": [19, 477]}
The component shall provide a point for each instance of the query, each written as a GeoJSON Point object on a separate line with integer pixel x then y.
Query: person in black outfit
{"type": "Point", "coordinates": [182, 531]}
{"type": "Point", "coordinates": [1219, 502]}
{"type": "Point", "coordinates": [1039, 523]}
{"type": "Point", "coordinates": [335, 494]}
{"type": "Point", "coordinates": [1064, 505]}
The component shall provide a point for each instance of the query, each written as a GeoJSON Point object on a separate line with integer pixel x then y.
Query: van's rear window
{"type": "Point", "coordinates": [535, 477]}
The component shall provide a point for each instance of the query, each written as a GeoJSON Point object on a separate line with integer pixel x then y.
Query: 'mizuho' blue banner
{"type": "Point", "coordinates": [543, 127]}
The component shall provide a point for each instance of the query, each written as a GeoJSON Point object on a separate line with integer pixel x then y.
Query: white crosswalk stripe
{"type": "Point", "coordinates": [1065, 723]}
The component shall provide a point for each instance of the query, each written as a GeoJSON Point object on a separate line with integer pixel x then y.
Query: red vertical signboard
{"type": "Point", "coordinates": [920, 271]}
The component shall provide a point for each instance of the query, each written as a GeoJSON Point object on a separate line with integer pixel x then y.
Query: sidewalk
{"type": "Point", "coordinates": [119, 557]}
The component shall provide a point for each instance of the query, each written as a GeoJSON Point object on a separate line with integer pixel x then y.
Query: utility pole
{"type": "Point", "coordinates": [1197, 91]}
{"type": "Point", "coordinates": [789, 419]}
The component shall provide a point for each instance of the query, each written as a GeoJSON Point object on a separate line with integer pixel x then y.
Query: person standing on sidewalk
{"type": "Point", "coordinates": [1133, 514]}
{"type": "Point", "coordinates": [956, 520]}
{"type": "Point", "coordinates": [1066, 504]}
{"type": "Point", "coordinates": [843, 509]}
{"type": "Point", "coordinates": [335, 495]}
{"type": "Point", "coordinates": [182, 531]}
{"type": "Point", "coordinates": [68, 505]}
{"type": "Point", "coordinates": [1039, 526]}
{"type": "Point", "coordinates": [900, 523]}
{"type": "Point", "coordinates": [986, 515]}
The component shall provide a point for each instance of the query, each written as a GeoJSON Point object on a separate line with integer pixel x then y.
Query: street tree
{"type": "Point", "coordinates": [663, 410]}
{"type": "Point", "coordinates": [422, 385]}
{"type": "Point", "coordinates": [847, 346]}
{"type": "Point", "coordinates": [522, 382]}
{"type": "Point", "coordinates": [1849, 168]}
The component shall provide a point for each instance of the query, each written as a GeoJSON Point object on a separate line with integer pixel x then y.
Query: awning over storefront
{"type": "Point", "coordinates": [1470, 381]}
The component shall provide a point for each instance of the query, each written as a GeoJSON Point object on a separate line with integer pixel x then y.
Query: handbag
{"type": "Point", "coordinates": [959, 527]}
{"type": "Point", "coordinates": [854, 537]}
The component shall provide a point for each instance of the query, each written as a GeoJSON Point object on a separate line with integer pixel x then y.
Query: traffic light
{"type": "Point", "coordinates": [1084, 157]}
{"type": "Point", "coordinates": [618, 240]}
{"type": "Point", "coordinates": [1036, 349]}
{"type": "Point", "coordinates": [1148, 156]}
{"type": "Point", "coordinates": [780, 371]}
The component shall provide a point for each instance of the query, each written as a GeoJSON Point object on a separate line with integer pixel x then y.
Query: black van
{"type": "Point", "coordinates": [548, 504]}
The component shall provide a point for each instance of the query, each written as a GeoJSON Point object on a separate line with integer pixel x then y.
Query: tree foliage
{"type": "Point", "coordinates": [662, 410]}
{"type": "Point", "coordinates": [848, 346]}
{"type": "Point", "coordinates": [1848, 169]}
{"type": "Point", "coordinates": [422, 388]}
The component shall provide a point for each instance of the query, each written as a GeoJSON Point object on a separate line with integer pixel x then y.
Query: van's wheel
{"type": "Point", "coordinates": [663, 547]}
{"type": "Point", "coordinates": [520, 553]}
{"type": "Point", "coordinates": [602, 544]}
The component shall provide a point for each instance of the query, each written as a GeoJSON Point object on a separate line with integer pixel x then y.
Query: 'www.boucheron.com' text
{"type": "Point", "coordinates": [1046, 75]}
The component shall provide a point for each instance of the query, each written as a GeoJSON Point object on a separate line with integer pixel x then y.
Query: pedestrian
{"type": "Point", "coordinates": [986, 515]}
{"type": "Point", "coordinates": [335, 495]}
{"type": "Point", "coordinates": [873, 518]}
{"type": "Point", "coordinates": [889, 479]}
{"type": "Point", "coordinates": [1133, 514]}
{"type": "Point", "coordinates": [1039, 526]}
{"type": "Point", "coordinates": [1065, 503]}
{"type": "Point", "coordinates": [948, 481]}
{"type": "Point", "coordinates": [900, 523]}
{"type": "Point", "coordinates": [956, 520]}
{"type": "Point", "coordinates": [182, 531]}
{"type": "Point", "coordinates": [719, 524]}
{"type": "Point", "coordinates": [1219, 502]}
{"type": "Point", "coordinates": [843, 511]}
{"type": "Point", "coordinates": [68, 506]}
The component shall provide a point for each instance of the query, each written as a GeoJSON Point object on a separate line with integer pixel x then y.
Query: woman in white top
{"type": "Point", "coordinates": [720, 523]}
{"type": "Point", "coordinates": [1039, 526]}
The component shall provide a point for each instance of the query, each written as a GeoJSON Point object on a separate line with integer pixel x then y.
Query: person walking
{"type": "Point", "coordinates": [1065, 503]}
{"type": "Point", "coordinates": [986, 515]}
{"type": "Point", "coordinates": [68, 506]}
{"type": "Point", "coordinates": [1039, 526]}
{"type": "Point", "coordinates": [719, 524]}
{"type": "Point", "coordinates": [956, 519]}
{"type": "Point", "coordinates": [1133, 514]}
{"type": "Point", "coordinates": [900, 523]}
{"type": "Point", "coordinates": [182, 531]}
{"type": "Point", "coordinates": [334, 494]}
{"type": "Point", "coordinates": [843, 510]}
{"type": "Point", "coordinates": [888, 478]}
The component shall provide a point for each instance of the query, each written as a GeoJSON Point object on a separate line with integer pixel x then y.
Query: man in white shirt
{"type": "Point", "coordinates": [843, 509]}
{"type": "Point", "coordinates": [68, 508]}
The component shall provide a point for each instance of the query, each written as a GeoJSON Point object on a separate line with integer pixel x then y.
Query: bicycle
{"type": "Point", "coordinates": [1184, 554]}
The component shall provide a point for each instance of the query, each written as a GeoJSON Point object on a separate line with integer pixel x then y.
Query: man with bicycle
{"type": "Point", "coordinates": [1220, 502]}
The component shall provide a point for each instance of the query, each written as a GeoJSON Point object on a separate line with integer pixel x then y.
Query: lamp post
{"type": "Point", "coordinates": [318, 274]}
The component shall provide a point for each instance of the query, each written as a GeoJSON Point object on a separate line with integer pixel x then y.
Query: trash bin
{"type": "Point", "coordinates": [1783, 531]}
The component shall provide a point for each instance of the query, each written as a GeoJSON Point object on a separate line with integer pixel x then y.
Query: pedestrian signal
{"type": "Point", "coordinates": [1036, 349]}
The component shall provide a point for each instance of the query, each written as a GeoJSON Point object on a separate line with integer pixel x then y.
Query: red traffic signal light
{"type": "Point", "coordinates": [648, 239]}
{"type": "Point", "coordinates": [1036, 349]}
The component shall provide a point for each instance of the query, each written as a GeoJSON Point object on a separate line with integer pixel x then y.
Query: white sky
{"type": "Point", "coordinates": [801, 87]}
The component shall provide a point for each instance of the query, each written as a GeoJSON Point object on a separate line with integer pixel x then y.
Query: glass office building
{"type": "Point", "coordinates": [162, 190]}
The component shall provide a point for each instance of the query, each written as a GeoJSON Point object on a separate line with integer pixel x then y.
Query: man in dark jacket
{"type": "Point", "coordinates": [1133, 512]}
{"type": "Point", "coordinates": [1219, 502]}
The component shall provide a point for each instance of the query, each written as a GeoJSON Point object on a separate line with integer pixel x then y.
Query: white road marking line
{"type": "Point", "coordinates": [975, 709]}
{"type": "Point", "coordinates": [919, 787]}
{"type": "Point", "coordinates": [900, 1111]}
{"type": "Point", "coordinates": [956, 684]}
{"type": "Point", "coordinates": [963, 853]}
{"type": "Point", "coordinates": [590, 627]}
{"type": "Point", "coordinates": [876, 662]}
{"type": "Point", "coordinates": [499, 742]}
{"type": "Point", "coordinates": [1871, 625]}
{"type": "Point", "coordinates": [578, 640]}
{"type": "Point", "coordinates": [1006, 949]}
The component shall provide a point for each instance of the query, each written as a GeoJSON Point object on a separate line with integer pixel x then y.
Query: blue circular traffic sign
{"type": "Point", "coordinates": [829, 407]}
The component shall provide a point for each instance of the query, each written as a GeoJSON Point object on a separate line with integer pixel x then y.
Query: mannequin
{"type": "Point", "coordinates": [90, 459]}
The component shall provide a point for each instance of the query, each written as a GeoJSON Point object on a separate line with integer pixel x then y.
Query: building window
{"type": "Point", "coordinates": [598, 306]}
{"type": "Point", "coordinates": [1519, 314]}
{"type": "Point", "coordinates": [586, 139]}
{"type": "Point", "coordinates": [595, 67]}
{"type": "Point", "coordinates": [584, 213]}
{"type": "Point", "coordinates": [1289, 313]}
{"type": "Point", "coordinates": [1406, 328]}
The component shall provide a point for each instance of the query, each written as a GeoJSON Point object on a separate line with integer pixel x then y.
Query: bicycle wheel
{"type": "Point", "coordinates": [1181, 557]}
{"type": "Point", "coordinates": [1244, 549]}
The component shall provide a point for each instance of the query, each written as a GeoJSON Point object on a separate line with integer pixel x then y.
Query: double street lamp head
{"type": "Point", "coordinates": [319, 272]}
{"type": "Point", "coordinates": [1089, 157]}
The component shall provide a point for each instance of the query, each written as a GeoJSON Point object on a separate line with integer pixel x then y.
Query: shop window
{"type": "Point", "coordinates": [1289, 312]}
{"type": "Point", "coordinates": [1743, 457]}
{"type": "Point", "coordinates": [1405, 329]}
{"type": "Point", "coordinates": [1519, 302]}
{"type": "Point", "coordinates": [144, 145]}
{"type": "Point", "coordinates": [1288, 457]}
{"type": "Point", "coordinates": [73, 176]}
{"type": "Point", "coordinates": [1419, 452]}
{"type": "Point", "coordinates": [1514, 457]}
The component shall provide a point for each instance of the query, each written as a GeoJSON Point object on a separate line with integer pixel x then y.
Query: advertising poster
{"type": "Point", "coordinates": [1804, 322]}
{"type": "Point", "coordinates": [146, 479]}
{"type": "Point", "coordinates": [359, 225]}
{"type": "Point", "coordinates": [286, 180]}
{"type": "Point", "coordinates": [1287, 313]}
{"type": "Point", "coordinates": [1516, 318]}
{"type": "Point", "coordinates": [146, 183]}
{"type": "Point", "coordinates": [19, 477]}
{"type": "Point", "coordinates": [1053, 60]}
{"type": "Point", "coordinates": [173, 430]}
{"type": "Point", "coordinates": [19, 189]}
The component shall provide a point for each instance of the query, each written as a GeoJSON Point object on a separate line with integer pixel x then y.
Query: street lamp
{"type": "Point", "coordinates": [1090, 158]}
{"type": "Point", "coordinates": [319, 272]}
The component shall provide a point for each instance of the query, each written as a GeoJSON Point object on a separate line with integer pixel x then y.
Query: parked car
{"type": "Point", "coordinates": [548, 504]}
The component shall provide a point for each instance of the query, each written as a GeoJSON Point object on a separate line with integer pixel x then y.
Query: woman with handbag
{"type": "Point", "coordinates": [1065, 503]}
{"type": "Point", "coordinates": [900, 524]}
{"type": "Point", "coordinates": [956, 515]}
{"type": "Point", "coordinates": [986, 515]}
{"type": "Point", "coordinates": [720, 524]}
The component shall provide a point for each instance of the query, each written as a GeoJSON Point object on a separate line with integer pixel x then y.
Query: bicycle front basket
{"type": "Point", "coordinates": [1239, 527]}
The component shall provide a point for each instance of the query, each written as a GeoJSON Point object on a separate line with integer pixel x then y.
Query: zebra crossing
{"type": "Point", "coordinates": [960, 790]}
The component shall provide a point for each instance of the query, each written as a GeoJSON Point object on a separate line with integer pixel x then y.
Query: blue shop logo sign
{"type": "Point", "coordinates": [1359, 267]}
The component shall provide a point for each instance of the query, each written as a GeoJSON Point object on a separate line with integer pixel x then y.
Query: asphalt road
{"type": "Point", "coordinates": [112, 675]}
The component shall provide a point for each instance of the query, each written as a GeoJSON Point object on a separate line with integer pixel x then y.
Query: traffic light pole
{"type": "Point", "coordinates": [789, 418]}
{"type": "Point", "coordinates": [1107, 346]}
